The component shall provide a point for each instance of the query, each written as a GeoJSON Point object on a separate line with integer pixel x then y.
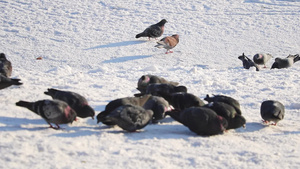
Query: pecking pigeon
{"type": "Point", "coordinates": [153, 31]}
{"type": "Point", "coordinates": [159, 106]}
{"type": "Point", "coordinates": [272, 111]}
{"type": "Point", "coordinates": [262, 58]}
{"type": "Point", "coordinates": [247, 63]}
{"type": "Point", "coordinates": [6, 82]}
{"type": "Point", "coordinates": [5, 66]}
{"type": "Point", "coordinates": [285, 62]}
{"type": "Point", "coordinates": [168, 43]}
{"type": "Point", "coordinates": [155, 88]}
{"type": "Point", "coordinates": [226, 99]}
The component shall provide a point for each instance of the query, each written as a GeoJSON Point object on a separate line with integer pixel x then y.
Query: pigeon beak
{"type": "Point", "coordinates": [244, 126]}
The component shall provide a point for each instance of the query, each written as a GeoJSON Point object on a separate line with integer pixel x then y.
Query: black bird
{"type": "Point", "coordinates": [155, 88]}
{"type": "Point", "coordinates": [153, 31]}
{"type": "Point", "coordinates": [281, 63]}
{"type": "Point", "coordinates": [52, 111]}
{"type": "Point", "coordinates": [201, 120]}
{"type": "Point", "coordinates": [5, 66]}
{"type": "Point", "coordinates": [226, 99]}
{"type": "Point", "coordinates": [130, 117]}
{"type": "Point", "coordinates": [6, 82]}
{"type": "Point", "coordinates": [159, 106]}
{"type": "Point", "coordinates": [247, 63]}
{"type": "Point", "coordinates": [272, 111]}
{"type": "Point", "coordinates": [74, 100]}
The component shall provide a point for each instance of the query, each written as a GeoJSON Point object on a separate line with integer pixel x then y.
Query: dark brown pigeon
{"type": "Point", "coordinates": [52, 111]}
{"type": "Point", "coordinates": [5, 66]}
{"type": "Point", "coordinates": [74, 100]}
{"type": "Point", "coordinates": [281, 63]}
{"type": "Point", "coordinates": [262, 58]}
{"type": "Point", "coordinates": [130, 117]}
{"type": "Point", "coordinates": [272, 111]}
{"type": "Point", "coordinates": [201, 120]}
{"type": "Point", "coordinates": [247, 63]}
{"type": "Point", "coordinates": [6, 82]}
{"type": "Point", "coordinates": [153, 31]}
{"type": "Point", "coordinates": [226, 99]}
{"type": "Point", "coordinates": [168, 42]}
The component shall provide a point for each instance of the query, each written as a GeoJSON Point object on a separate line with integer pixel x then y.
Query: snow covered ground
{"type": "Point", "coordinates": [89, 47]}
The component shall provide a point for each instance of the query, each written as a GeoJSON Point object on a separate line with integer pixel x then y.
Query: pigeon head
{"type": "Point", "coordinates": [237, 122]}
{"type": "Point", "coordinates": [181, 89]}
{"type": "Point", "coordinates": [2, 56]}
{"type": "Point", "coordinates": [88, 111]}
{"type": "Point", "coordinates": [162, 22]}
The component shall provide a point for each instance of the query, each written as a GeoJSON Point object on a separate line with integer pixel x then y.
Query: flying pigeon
{"type": "Point", "coordinates": [130, 117]}
{"type": "Point", "coordinates": [52, 111]}
{"type": "Point", "coordinates": [262, 58]}
{"type": "Point", "coordinates": [74, 100]}
{"type": "Point", "coordinates": [225, 110]}
{"type": "Point", "coordinates": [247, 63]}
{"type": "Point", "coordinates": [168, 43]}
{"type": "Point", "coordinates": [153, 31]}
{"type": "Point", "coordinates": [201, 120]}
{"type": "Point", "coordinates": [5, 66]}
{"type": "Point", "coordinates": [272, 111]}
{"type": "Point", "coordinates": [285, 62]}
{"type": "Point", "coordinates": [6, 82]}
{"type": "Point", "coordinates": [226, 99]}
{"type": "Point", "coordinates": [159, 106]}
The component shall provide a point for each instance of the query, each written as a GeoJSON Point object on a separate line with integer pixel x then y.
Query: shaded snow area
{"type": "Point", "coordinates": [89, 47]}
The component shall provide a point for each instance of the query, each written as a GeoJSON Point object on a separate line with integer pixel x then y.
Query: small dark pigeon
{"type": "Point", "coordinates": [226, 99]}
{"type": "Point", "coordinates": [272, 111]}
{"type": "Point", "coordinates": [112, 105]}
{"type": "Point", "coordinates": [5, 66]}
{"type": "Point", "coordinates": [229, 113]}
{"type": "Point", "coordinates": [181, 101]}
{"type": "Point", "coordinates": [159, 106]}
{"type": "Point", "coordinates": [155, 88]}
{"type": "Point", "coordinates": [168, 42]}
{"type": "Point", "coordinates": [262, 58]}
{"type": "Point", "coordinates": [201, 120]}
{"type": "Point", "coordinates": [6, 82]}
{"type": "Point", "coordinates": [153, 31]}
{"type": "Point", "coordinates": [52, 111]}
{"type": "Point", "coordinates": [247, 63]}
{"type": "Point", "coordinates": [130, 117]}
{"type": "Point", "coordinates": [74, 100]}
{"type": "Point", "coordinates": [145, 80]}
{"type": "Point", "coordinates": [285, 62]}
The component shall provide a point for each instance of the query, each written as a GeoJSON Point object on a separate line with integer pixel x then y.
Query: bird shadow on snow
{"type": "Point", "coordinates": [118, 44]}
{"type": "Point", "coordinates": [126, 58]}
{"type": "Point", "coordinates": [252, 127]}
{"type": "Point", "coordinates": [15, 124]}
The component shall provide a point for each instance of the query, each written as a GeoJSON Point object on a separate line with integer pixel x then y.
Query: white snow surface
{"type": "Point", "coordinates": [89, 47]}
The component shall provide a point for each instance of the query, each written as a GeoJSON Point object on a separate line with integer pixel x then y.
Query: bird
{"type": "Point", "coordinates": [227, 111]}
{"type": "Point", "coordinates": [262, 58]}
{"type": "Point", "coordinates": [281, 63]}
{"type": "Point", "coordinates": [112, 105]}
{"type": "Point", "coordinates": [76, 101]}
{"type": "Point", "coordinates": [145, 80]}
{"type": "Point", "coordinates": [226, 99]}
{"type": "Point", "coordinates": [52, 111]}
{"type": "Point", "coordinates": [5, 66]}
{"type": "Point", "coordinates": [159, 106]}
{"type": "Point", "coordinates": [153, 31]}
{"type": "Point", "coordinates": [155, 88]}
{"type": "Point", "coordinates": [272, 111]}
{"type": "Point", "coordinates": [130, 117]}
{"type": "Point", "coordinates": [6, 82]}
{"type": "Point", "coordinates": [247, 63]}
{"type": "Point", "coordinates": [168, 42]}
{"type": "Point", "coordinates": [200, 120]}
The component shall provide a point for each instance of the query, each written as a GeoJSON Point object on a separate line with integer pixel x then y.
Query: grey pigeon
{"type": "Point", "coordinates": [155, 88]}
{"type": "Point", "coordinates": [112, 105]}
{"type": "Point", "coordinates": [130, 117]}
{"type": "Point", "coordinates": [153, 31]}
{"type": "Point", "coordinates": [5, 66]}
{"type": "Point", "coordinates": [247, 63]}
{"type": "Point", "coordinates": [168, 42]}
{"type": "Point", "coordinates": [272, 111]}
{"type": "Point", "coordinates": [52, 111]}
{"type": "Point", "coordinates": [226, 99]}
{"type": "Point", "coordinates": [74, 100]}
{"type": "Point", "coordinates": [227, 111]}
{"type": "Point", "coordinates": [262, 58]}
{"type": "Point", "coordinates": [159, 106]}
{"type": "Point", "coordinates": [6, 82]}
{"type": "Point", "coordinates": [281, 63]}
{"type": "Point", "coordinates": [201, 120]}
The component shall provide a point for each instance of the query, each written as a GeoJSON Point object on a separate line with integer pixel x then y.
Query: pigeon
{"type": "Point", "coordinates": [74, 100]}
{"type": "Point", "coordinates": [111, 106]}
{"type": "Point", "coordinates": [247, 63]}
{"type": "Point", "coordinates": [155, 88]}
{"type": "Point", "coordinates": [145, 80]}
{"type": "Point", "coordinates": [153, 31]}
{"type": "Point", "coordinates": [52, 111]}
{"type": "Point", "coordinates": [262, 58]}
{"type": "Point", "coordinates": [181, 101]}
{"type": "Point", "coordinates": [130, 117]}
{"type": "Point", "coordinates": [5, 66]}
{"type": "Point", "coordinates": [201, 120]}
{"type": "Point", "coordinates": [6, 82]}
{"type": "Point", "coordinates": [226, 99]}
{"type": "Point", "coordinates": [225, 110]}
{"type": "Point", "coordinates": [285, 62]}
{"type": "Point", "coordinates": [272, 111]}
{"type": "Point", "coordinates": [159, 106]}
{"type": "Point", "coordinates": [168, 42]}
